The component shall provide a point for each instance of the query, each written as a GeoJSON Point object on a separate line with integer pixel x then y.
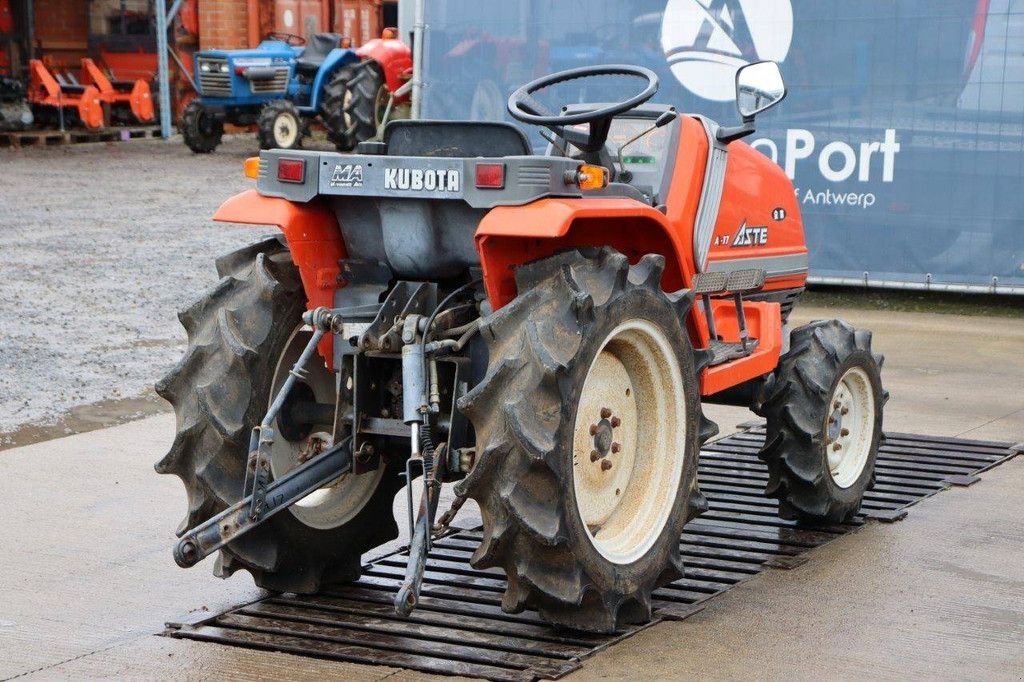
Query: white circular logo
{"type": "Point", "coordinates": [289, 18]}
{"type": "Point", "coordinates": [705, 41]}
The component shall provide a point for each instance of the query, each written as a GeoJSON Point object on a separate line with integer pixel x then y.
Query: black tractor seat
{"type": "Point", "coordinates": [459, 139]}
{"type": "Point", "coordinates": [317, 49]}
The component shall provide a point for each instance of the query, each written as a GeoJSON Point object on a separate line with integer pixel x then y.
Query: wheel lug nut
{"type": "Point", "coordinates": [845, 410]}
{"type": "Point", "coordinates": [828, 441]}
{"type": "Point", "coordinates": [605, 465]}
{"type": "Point", "coordinates": [593, 429]}
{"type": "Point", "coordinates": [831, 420]}
{"type": "Point", "coordinates": [836, 404]}
{"type": "Point", "coordinates": [844, 432]}
{"type": "Point", "coordinates": [605, 413]}
{"type": "Point", "coordinates": [616, 447]}
{"type": "Point", "coordinates": [615, 422]}
{"type": "Point", "coordinates": [594, 455]}
{"type": "Point", "coordinates": [836, 447]}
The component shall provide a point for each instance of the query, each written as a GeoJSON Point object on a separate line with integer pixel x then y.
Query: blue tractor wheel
{"type": "Point", "coordinates": [201, 128]}
{"type": "Point", "coordinates": [279, 126]}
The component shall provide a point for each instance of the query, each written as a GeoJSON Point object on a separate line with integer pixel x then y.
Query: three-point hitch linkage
{"type": "Point", "coordinates": [262, 498]}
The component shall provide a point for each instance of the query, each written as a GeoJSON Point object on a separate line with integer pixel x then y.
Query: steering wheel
{"type": "Point", "coordinates": [289, 38]}
{"type": "Point", "coordinates": [524, 106]}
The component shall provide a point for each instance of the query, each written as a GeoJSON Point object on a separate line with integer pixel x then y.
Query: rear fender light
{"type": "Point", "coordinates": [490, 175]}
{"type": "Point", "coordinates": [291, 170]}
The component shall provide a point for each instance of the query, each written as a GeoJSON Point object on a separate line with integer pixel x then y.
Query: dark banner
{"type": "Point", "coordinates": [903, 130]}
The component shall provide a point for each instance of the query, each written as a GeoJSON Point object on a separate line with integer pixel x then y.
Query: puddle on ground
{"type": "Point", "coordinates": [86, 418]}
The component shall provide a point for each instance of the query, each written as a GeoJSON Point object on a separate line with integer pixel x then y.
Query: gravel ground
{"type": "Point", "coordinates": [101, 244]}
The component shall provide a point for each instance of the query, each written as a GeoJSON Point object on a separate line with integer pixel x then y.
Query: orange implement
{"type": "Point", "coordinates": [84, 100]}
{"type": "Point", "coordinates": [134, 95]}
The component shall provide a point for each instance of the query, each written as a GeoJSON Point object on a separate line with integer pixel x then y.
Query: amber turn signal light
{"type": "Point", "coordinates": [587, 177]}
{"type": "Point", "coordinates": [252, 167]}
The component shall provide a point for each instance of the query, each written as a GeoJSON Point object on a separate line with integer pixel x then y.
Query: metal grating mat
{"type": "Point", "coordinates": [460, 629]}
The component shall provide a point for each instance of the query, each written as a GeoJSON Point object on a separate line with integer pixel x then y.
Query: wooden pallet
{"type": "Point", "coordinates": [46, 138]}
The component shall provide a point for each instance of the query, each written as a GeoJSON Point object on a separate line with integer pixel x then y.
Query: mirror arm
{"type": "Point", "coordinates": [731, 134]}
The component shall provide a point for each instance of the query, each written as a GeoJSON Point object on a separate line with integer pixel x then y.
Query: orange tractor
{"type": "Point", "coordinates": [541, 329]}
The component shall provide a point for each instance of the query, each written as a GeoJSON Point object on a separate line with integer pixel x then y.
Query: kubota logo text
{"type": "Point", "coordinates": [431, 180]}
{"type": "Point", "coordinates": [705, 41]}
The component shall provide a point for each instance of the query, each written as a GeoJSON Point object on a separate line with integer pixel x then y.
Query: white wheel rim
{"type": "Point", "coordinates": [629, 441]}
{"type": "Point", "coordinates": [346, 101]}
{"type": "Point", "coordinates": [336, 504]}
{"type": "Point", "coordinates": [286, 129]}
{"type": "Point", "coordinates": [849, 427]}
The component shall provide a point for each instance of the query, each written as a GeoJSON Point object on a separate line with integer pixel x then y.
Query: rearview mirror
{"type": "Point", "coordinates": [759, 86]}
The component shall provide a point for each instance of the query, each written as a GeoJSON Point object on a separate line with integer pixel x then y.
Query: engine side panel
{"type": "Point", "coordinates": [759, 224]}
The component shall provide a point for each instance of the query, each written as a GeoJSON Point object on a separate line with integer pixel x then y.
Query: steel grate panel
{"type": "Point", "coordinates": [460, 629]}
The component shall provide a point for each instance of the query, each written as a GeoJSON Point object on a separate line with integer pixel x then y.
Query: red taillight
{"type": "Point", "coordinates": [239, 70]}
{"type": "Point", "coordinates": [291, 170]}
{"type": "Point", "coordinates": [490, 175]}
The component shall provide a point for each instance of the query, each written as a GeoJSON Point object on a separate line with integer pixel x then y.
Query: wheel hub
{"type": "Point", "coordinates": [334, 504]}
{"type": "Point", "coordinates": [603, 433]}
{"type": "Point", "coordinates": [630, 441]}
{"type": "Point", "coordinates": [849, 427]}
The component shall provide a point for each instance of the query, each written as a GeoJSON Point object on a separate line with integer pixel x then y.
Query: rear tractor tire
{"type": "Point", "coordinates": [279, 126]}
{"type": "Point", "coordinates": [243, 337]}
{"type": "Point", "coordinates": [588, 424]}
{"type": "Point", "coordinates": [354, 113]}
{"type": "Point", "coordinates": [201, 128]}
{"type": "Point", "coordinates": [824, 423]}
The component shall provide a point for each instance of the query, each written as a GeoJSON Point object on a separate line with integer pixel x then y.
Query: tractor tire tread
{"type": "Point", "coordinates": [518, 410]}
{"type": "Point", "coordinates": [196, 139]}
{"type": "Point", "coordinates": [795, 404]}
{"type": "Point", "coordinates": [268, 117]}
{"type": "Point", "coordinates": [219, 391]}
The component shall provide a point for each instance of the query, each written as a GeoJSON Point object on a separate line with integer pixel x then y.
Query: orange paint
{"type": "Point", "coordinates": [313, 239]}
{"type": "Point", "coordinates": [44, 90]}
{"type": "Point", "coordinates": [138, 98]}
{"type": "Point", "coordinates": [754, 188]}
{"type": "Point", "coordinates": [393, 56]}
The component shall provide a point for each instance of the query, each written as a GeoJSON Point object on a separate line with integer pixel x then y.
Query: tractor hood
{"type": "Point", "coordinates": [273, 51]}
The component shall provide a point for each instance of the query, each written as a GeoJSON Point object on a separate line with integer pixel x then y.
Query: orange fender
{"type": "Point", "coordinates": [313, 239]}
{"type": "Point", "coordinates": [393, 56]}
{"type": "Point", "coordinates": [512, 235]}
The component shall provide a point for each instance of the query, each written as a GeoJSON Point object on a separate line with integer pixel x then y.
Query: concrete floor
{"type": "Point", "coordinates": [87, 575]}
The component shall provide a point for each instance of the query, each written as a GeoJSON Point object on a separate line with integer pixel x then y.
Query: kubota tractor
{"type": "Point", "coordinates": [283, 82]}
{"type": "Point", "coordinates": [541, 328]}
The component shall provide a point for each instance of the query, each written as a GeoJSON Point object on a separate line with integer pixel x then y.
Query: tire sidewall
{"type": "Point", "coordinates": [642, 304]}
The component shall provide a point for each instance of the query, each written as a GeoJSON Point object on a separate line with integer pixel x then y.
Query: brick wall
{"type": "Point", "coordinates": [223, 24]}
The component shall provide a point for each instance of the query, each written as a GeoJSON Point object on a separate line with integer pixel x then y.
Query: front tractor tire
{"type": "Point", "coordinates": [201, 128]}
{"type": "Point", "coordinates": [588, 425]}
{"type": "Point", "coordinates": [279, 126]}
{"type": "Point", "coordinates": [243, 336]}
{"type": "Point", "coordinates": [824, 423]}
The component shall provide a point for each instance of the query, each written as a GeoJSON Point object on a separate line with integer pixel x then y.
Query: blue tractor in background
{"type": "Point", "coordinates": [278, 86]}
